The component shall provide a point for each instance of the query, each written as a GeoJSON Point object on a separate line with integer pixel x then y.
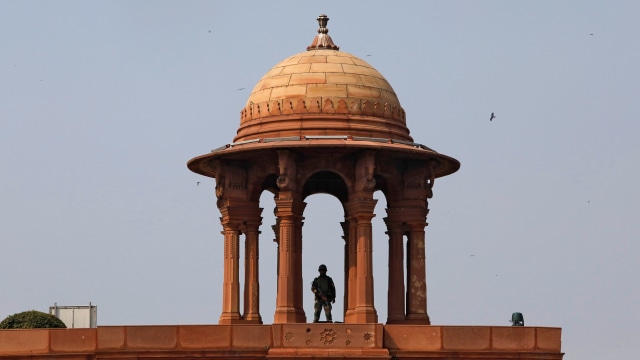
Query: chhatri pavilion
{"type": "Point", "coordinates": [320, 121]}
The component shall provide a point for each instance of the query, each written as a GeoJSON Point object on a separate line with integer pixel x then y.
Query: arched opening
{"type": "Point", "coordinates": [323, 243]}
{"type": "Point", "coordinates": [323, 238]}
{"type": "Point", "coordinates": [380, 245]}
{"type": "Point", "coordinates": [268, 261]}
{"type": "Point", "coordinates": [326, 182]}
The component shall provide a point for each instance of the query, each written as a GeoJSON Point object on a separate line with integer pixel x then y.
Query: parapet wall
{"type": "Point", "coordinates": [284, 341]}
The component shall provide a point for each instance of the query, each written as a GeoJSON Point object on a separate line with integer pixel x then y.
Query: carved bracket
{"type": "Point", "coordinates": [231, 182]}
{"type": "Point", "coordinates": [365, 169]}
{"type": "Point", "coordinates": [287, 179]}
{"type": "Point", "coordinates": [418, 181]}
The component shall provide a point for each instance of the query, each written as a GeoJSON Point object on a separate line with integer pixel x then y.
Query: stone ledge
{"type": "Point", "coordinates": [285, 341]}
{"type": "Point", "coordinates": [472, 338]}
{"type": "Point", "coordinates": [24, 341]}
{"type": "Point", "coordinates": [73, 340]}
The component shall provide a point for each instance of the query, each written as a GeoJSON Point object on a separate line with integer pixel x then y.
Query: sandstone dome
{"type": "Point", "coordinates": [322, 100]}
{"type": "Point", "coordinates": [322, 92]}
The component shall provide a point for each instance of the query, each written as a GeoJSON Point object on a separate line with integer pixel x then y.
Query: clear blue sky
{"type": "Point", "coordinates": [103, 102]}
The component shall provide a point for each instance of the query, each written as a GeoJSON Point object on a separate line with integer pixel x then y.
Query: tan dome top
{"type": "Point", "coordinates": [324, 73]}
{"type": "Point", "coordinates": [322, 91]}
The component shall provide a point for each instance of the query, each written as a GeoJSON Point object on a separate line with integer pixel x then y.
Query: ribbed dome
{"type": "Point", "coordinates": [322, 91]}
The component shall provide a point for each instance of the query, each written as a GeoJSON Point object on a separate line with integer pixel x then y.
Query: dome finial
{"type": "Point", "coordinates": [323, 40]}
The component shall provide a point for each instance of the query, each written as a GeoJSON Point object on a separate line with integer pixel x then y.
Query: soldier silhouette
{"type": "Point", "coordinates": [325, 294]}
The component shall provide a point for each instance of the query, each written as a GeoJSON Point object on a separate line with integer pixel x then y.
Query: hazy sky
{"type": "Point", "coordinates": [102, 103]}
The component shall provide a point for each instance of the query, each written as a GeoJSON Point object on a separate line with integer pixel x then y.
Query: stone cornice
{"type": "Point", "coordinates": [322, 116]}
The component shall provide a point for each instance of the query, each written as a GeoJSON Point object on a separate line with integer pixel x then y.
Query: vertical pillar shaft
{"type": "Point", "coordinates": [360, 211]}
{"type": "Point", "coordinates": [345, 237]}
{"type": "Point", "coordinates": [288, 303]}
{"type": "Point", "coordinates": [416, 276]}
{"type": "Point", "coordinates": [299, 286]}
{"type": "Point", "coordinates": [395, 295]}
{"type": "Point", "coordinates": [285, 304]}
{"type": "Point", "coordinates": [251, 276]}
{"type": "Point", "coordinates": [276, 230]}
{"type": "Point", "coordinates": [365, 311]}
{"type": "Point", "coordinates": [352, 275]}
{"type": "Point", "coordinates": [231, 284]}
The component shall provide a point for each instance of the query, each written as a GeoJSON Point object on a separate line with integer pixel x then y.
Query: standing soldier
{"type": "Point", "coordinates": [325, 292]}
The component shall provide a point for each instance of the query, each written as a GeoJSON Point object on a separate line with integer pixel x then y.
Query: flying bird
{"type": "Point", "coordinates": [492, 117]}
{"type": "Point", "coordinates": [240, 89]}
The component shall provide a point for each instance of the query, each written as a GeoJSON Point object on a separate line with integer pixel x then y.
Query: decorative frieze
{"type": "Point", "coordinates": [322, 105]}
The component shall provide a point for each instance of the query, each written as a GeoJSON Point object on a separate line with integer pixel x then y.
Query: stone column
{"type": "Point", "coordinates": [416, 273]}
{"type": "Point", "coordinates": [352, 274]}
{"type": "Point", "coordinates": [299, 286]}
{"type": "Point", "coordinates": [418, 179]}
{"type": "Point", "coordinates": [289, 213]}
{"type": "Point", "coordinates": [251, 275]}
{"type": "Point", "coordinates": [231, 192]}
{"type": "Point", "coordinates": [345, 237]}
{"type": "Point", "coordinates": [276, 239]}
{"type": "Point", "coordinates": [395, 294]}
{"type": "Point", "coordinates": [231, 282]}
{"type": "Point", "coordinates": [361, 209]}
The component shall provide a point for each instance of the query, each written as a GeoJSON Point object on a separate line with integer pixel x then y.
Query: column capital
{"type": "Point", "coordinates": [289, 204]}
{"type": "Point", "coordinates": [236, 212]}
{"type": "Point", "coordinates": [408, 213]}
{"type": "Point", "coordinates": [361, 207]}
{"type": "Point", "coordinates": [395, 225]}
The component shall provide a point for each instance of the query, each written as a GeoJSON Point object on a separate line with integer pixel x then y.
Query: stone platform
{"type": "Point", "coordinates": [283, 341]}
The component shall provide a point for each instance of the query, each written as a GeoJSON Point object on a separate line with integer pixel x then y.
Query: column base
{"type": "Point", "coordinates": [230, 318]}
{"type": "Point", "coordinates": [417, 319]}
{"type": "Point", "coordinates": [252, 319]}
{"type": "Point", "coordinates": [287, 315]}
{"type": "Point", "coordinates": [362, 315]}
{"type": "Point", "coordinates": [396, 319]}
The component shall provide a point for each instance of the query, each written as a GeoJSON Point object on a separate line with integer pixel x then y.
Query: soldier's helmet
{"type": "Point", "coordinates": [322, 267]}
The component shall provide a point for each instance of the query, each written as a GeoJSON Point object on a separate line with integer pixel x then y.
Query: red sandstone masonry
{"type": "Point", "coordinates": [73, 340]}
{"type": "Point", "coordinates": [548, 339]}
{"type": "Point", "coordinates": [282, 341]}
{"type": "Point", "coordinates": [251, 337]}
{"type": "Point", "coordinates": [513, 338]}
{"type": "Point", "coordinates": [472, 338]}
{"type": "Point", "coordinates": [24, 342]}
{"type": "Point", "coordinates": [205, 337]}
{"type": "Point", "coordinates": [328, 336]}
{"type": "Point", "coordinates": [475, 338]}
{"type": "Point", "coordinates": [111, 337]}
{"type": "Point", "coordinates": [413, 337]}
{"type": "Point", "coordinates": [152, 337]}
